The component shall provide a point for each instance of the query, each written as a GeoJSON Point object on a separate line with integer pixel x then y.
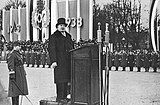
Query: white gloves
{"type": "Point", "coordinates": [54, 64]}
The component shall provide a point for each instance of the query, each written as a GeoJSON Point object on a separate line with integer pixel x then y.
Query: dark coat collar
{"type": "Point", "coordinates": [58, 33]}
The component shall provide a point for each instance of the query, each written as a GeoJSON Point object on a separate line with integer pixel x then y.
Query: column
{"type": "Point", "coordinates": [67, 12]}
{"type": "Point", "coordinates": [3, 32]}
{"type": "Point", "coordinates": [78, 15]}
{"type": "Point", "coordinates": [35, 30]}
{"type": "Point", "coordinates": [54, 15]}
{"type": "Point", "coordinates": [28, 19]}
{"type": "Point", "coordinates": [91, 19]}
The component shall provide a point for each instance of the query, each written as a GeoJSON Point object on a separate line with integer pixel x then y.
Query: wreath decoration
{"type": "Point", "coordinates": [44, 18]}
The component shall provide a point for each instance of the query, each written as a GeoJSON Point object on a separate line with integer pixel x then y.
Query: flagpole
{"type": "Point", "coordinates": [106, 93]}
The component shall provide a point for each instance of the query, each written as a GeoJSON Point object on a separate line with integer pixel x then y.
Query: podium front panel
{"type": "Point", "coordinates": [85, 81]}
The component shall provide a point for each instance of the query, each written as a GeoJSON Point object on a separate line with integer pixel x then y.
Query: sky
{"type": "Point", "coordinates": [2, 4]}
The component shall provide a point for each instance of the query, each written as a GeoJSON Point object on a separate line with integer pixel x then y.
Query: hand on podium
{"type": "Point", "coordinates": [54, 64]}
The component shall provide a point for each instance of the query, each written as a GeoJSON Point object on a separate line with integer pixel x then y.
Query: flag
{"type": "Point", "coordinates": [6, 25]}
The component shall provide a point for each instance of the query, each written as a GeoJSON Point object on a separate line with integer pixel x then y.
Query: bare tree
{"type": "Point", "coordinates": [15, 4]}
{"type": "Point", "coordinates": [124, 18]}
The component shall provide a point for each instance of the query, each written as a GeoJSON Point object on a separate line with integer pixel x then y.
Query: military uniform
{"type": "Point", "coordinates": [116, 60]}
{"type": "Point", "coordinates": [23, 55]}
{"type": "Point", "coordinates": [38, 58]}
{"type": "Point", "coordinates": [138, 61]}
{"type": "Point", "coordinates": [146, 62]}
{"type": "Point", "coordinates": [17, 80]}
{"type": "Point", "coordinates": [124, 60]}
{"type": "Point", "coordinates": [43, 58]}
{"type": "Point", "coordinates": [27, 54]}
{"type": "Point", "coordinates": [32, 60]}
{"type": "Point", "coordinates": [48, 61]}
{"type": "Point", "coordinates": [110, 60]}
{"type": "Point", "coordinates": [154, 61]}
{"type": "Point", "coordinates": [131, 60]}
{"type": "Point", "coordinates": [158, 60]}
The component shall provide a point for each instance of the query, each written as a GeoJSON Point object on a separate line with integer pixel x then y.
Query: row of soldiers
{"type": "Point", "coordinates": [28, 45]}
{"type": "Point", "coordinates": [35, 53]}
{"type": "Point", "coordinates": [137, 58]}
{"type": "Point", "coordinates": [36, 57]}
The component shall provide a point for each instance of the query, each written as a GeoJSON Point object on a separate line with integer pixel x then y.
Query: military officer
{"type": "Point", "coordinates": [27, 54]}
{"type": "Point", "coordinates": [38, 58]}
{"type": "Point", "coordinates": [116, 60]}
{"type": "Point", "coordinates": [17, 75]}
{"type": "Point", "coordinates": [110, 60]}
{"type": "Point", "coordinates": [32, 60]}
{"type": "Point", "coordinates": [138, 60]}
{"type": "Point", "coordinates": [146, 61]}
{"type": "Point", "coordinates": [123, 60]}
{"type": "Point", "coordinates": [154, 62]}
{"type": "Point", "coordinates": [43, 58]}
{"type": "Point", "coordinates": [131, 60]}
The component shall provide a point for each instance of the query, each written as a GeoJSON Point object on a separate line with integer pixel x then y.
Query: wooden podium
{"type": "Point", "coordinates": [85, 80]}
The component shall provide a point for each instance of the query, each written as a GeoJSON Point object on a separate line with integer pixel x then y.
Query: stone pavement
{"type": "Point", "coordinates": [126, 88]}
{"type": "Point", "coordinates": [40, 83]}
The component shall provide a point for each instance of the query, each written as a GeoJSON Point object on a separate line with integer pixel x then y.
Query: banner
{"type": "Point", "coordinates": [6, 25]}
{"type": "Point", "coordinates": [14, 26]}
{"type": "Point", "coordinates": [22, 17]}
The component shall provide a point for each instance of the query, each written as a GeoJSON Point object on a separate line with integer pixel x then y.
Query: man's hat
{"type": "Point", "coordinates": [61, 21]}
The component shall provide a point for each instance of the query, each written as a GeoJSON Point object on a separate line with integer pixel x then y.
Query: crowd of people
{"type": "Point", "coordinates": [134, 58]}
{"type": "Point", "coordinates": [36, 53]}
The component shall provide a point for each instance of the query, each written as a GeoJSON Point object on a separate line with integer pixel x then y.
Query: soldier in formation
{"type": "Point", "coordinates": [36, 53]}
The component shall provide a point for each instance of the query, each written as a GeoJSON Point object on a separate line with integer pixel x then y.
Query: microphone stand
{"type": "Point", "coordinates": [99, 40]}
{"type": "Point", "coordinates": [106, 87]}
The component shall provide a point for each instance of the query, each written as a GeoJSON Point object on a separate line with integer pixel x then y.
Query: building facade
{"type": "Point", "coordinates": [38, 19]}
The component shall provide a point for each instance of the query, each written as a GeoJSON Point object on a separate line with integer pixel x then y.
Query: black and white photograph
{"type": "Point", "coordinates": [79, 52]}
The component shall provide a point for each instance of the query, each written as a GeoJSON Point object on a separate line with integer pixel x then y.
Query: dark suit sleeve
{"type": "Point", "coordinates": [52, 48]}
{"type": "Point", "coordinates": [11, 62]}
{"type": "Point", "coordinates": [71, 41]}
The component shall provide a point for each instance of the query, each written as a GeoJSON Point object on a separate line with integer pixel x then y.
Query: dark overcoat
{"type": "Point", "coordinates": [131, 61]}
{"type": "Point", "coordinates": [38, 58]}
{"type": "Point", "coordinates": [154, 58]}
{"type": "Point", "coordinates": [116, 60]}
{"type": "Point", "coordinates": [138, 60]}
{"type": "Point", "coordinates": [58, 48]}
{"type": "Point", "coordinates": [124, 60]}
{"type": "Point", "coordinates": [110, 59]}
{"type": "Point", "coordinates": [17, 86]}
{"type": "Point", "coordinates": [146, 62]}
{"type": "Point", "coordinates": [27, 54]}
{"type": "Point", "coordinates": [32, 59]}
{"type": "Point", "coordinates": [48, 59]}
{"type": "Point", "coordinates": [43, 58]}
